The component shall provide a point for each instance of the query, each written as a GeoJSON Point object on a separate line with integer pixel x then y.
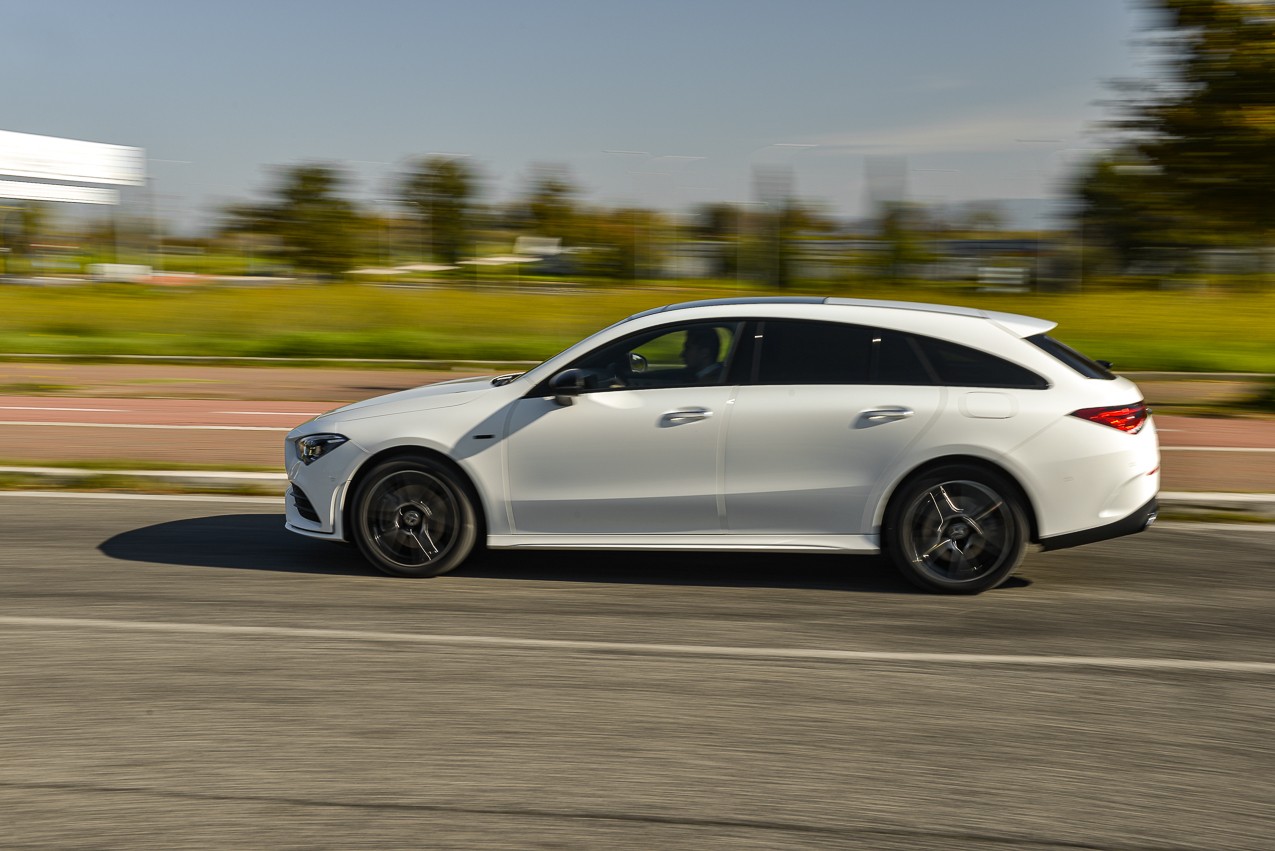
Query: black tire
{"type": "Point", "coordinates": [414, 517]}
{"type": "Point", "coordinates": [956, 530]}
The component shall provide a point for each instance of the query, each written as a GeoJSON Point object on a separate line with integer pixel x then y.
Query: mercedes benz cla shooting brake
{"type": "Point", "coordinates": [946, 437]}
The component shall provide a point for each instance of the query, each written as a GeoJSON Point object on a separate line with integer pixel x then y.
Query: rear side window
{"type": "Point", "coordinates": [897, 360]}
{"type": "Point", "coordinates": [796, 352]}
{"type": "Point", "coordinates": [814, 353]}
{"type": "Point", "coordinates": [1072, 358]}
{"type": "Point", "coordinates": [960, 366]}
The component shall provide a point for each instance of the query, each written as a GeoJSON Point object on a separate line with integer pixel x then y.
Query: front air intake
{"type": "Point", "coordinates": [302, 504]}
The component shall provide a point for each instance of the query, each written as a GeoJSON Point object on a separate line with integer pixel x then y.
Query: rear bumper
{"type": "Point", "coordinates": [1136, 522]}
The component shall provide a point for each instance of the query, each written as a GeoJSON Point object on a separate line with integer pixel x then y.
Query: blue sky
{"type": "Point", "coordinates": [217, 93]}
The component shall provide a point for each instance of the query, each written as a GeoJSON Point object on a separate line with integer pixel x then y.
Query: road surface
{"type": "Point", "coordinates": [183, 674]}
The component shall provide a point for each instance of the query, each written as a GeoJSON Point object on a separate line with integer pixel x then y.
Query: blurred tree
{"type": "Point", "coordinates": [550, 202]}
{"type": "Point", "coordinates": [1124, 206]}
{"type": "Point", "coordinates": [317, 229]}
{"type": "Point", "coordinates": [619, 244]}
{"type": "Point", "coordinates": [980, 216]}
{"type": "Point", "coordinates": [440, 192]}
{"type": "Point", "coordinates": [718, 220]}
{"type": "Point", "coordinates": [902, 230]}
{"type": "Point", "coordinates": [723, 224]}
{"type": "Point", "coordinates": [1208, 122]}
{"type": "Point", "coordinates": [774, 236]}
{"type": "Point", "coordinates": [33, 221]}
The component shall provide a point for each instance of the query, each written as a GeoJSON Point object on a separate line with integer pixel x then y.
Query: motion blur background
{"type": "Point", "coordinates": [971, 152]}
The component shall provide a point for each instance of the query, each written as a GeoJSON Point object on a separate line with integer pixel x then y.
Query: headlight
{"type": "Point", "coordinates": [312, 448]}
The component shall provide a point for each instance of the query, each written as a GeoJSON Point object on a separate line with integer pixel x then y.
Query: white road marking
{"type": "Point", "coordinates": [49, 408]}
{"type": "Point", "coordinates": [270, 413]}
{"type": "Point", "coordinates": [1217, 449]}
{"type": "Point", "coordinates": [148, 425]}
{"type": "Point", "coordinates": [760, 653]}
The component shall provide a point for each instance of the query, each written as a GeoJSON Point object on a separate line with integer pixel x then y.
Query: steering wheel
{"type": "Point", "coordinates": [617, 374]}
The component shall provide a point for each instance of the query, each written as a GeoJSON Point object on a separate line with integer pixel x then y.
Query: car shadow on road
{"type": "Point", "coordinates": [259, 542]}
{"type": "Point", "coordinates": [239, 541]}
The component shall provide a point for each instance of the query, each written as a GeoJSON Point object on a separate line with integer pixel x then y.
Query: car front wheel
{"type": "Point", "coordinates": [956, 530]}
{"type": "Point", "coordinates": [414, 517]}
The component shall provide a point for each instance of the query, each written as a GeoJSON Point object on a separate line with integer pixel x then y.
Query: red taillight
{"type": "Point", "coordinates": [1129, 418]}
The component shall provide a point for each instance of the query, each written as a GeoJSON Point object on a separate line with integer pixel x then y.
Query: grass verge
{"type": "Point", "coordinates": [115, 465]}
{"type": "Point", "coordinates": [116, 483]}
{"type": "Point", "coordinates": [1138, 330]}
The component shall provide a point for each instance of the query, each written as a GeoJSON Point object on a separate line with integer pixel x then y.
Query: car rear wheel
{"type": "Point", "coordinates": [956, 530]}
{"type": "Point", "coordinates": [414, 517]}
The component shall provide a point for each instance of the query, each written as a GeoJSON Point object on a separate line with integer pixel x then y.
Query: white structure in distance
{"type": "Point", "coordinates": [68, 161]}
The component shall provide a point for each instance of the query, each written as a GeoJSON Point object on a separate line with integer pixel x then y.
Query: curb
{"type": "Point", "coordinates": [1257, 506]}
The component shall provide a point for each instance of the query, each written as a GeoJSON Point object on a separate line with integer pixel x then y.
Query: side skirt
{"type": "Point", "coordinates": [866, 544]}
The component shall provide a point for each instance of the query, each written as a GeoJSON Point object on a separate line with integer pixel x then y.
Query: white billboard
{"type": "Point", "coordinates": [51, 158]}
{"type": "Point", "coordinates": [21, 191]}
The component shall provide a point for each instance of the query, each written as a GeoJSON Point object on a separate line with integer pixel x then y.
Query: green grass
{"type": "Point", "coordinates": [1145, 330]}
{"type": "Point", "coordinates": [100, 465]}
{"type": "Point", "coordinates": [114, 483]}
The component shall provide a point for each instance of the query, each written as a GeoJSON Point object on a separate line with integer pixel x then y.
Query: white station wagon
{"type": "Point", "coordinates": [947, 437]}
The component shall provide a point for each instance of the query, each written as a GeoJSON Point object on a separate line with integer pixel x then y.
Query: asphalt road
{"type": "Point", "coordinates": [184, 674]}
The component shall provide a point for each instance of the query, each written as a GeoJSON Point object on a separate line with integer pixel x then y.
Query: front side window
{"type": "Point", "coordinates": [687, 355]}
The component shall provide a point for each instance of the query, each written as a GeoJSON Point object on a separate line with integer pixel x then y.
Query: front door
{"type": "Point", "coordinates": [638, 451]}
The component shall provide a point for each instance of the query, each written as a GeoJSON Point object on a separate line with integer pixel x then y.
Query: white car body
{"type": "Point", "coordinates": [744, 465]}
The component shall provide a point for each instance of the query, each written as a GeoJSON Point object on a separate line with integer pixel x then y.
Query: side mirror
{"type": "Point", "coordinates": [568, 384]}
{"type": "Point", "coordinates": [637, 363]}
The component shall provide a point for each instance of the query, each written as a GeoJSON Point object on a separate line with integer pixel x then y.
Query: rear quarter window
{"type": "Point", "coordinates": [961, 366]}
{"type": "Point", "coordinates": [1072, 358]}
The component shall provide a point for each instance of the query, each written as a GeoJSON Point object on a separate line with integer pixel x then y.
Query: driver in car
{"type": "Point", "coordinates": [700, 352]}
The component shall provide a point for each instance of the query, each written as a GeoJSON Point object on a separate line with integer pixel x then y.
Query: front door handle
{"type": "Point", "coordinates": [684, 415]}
{"type": "Point", "coordinates": [877, 415]}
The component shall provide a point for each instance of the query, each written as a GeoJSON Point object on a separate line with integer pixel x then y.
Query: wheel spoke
{"type": "Point", "coordinates": [416, 539]}
{"type": "Point", "coordinates": [943, 542]}
{"type": "Point", "coordinates": [987, 512]}
{"type": "Point", "coordinates": [948, 499]}
{"type": "Point", "coordinates": [433, 547]}
{"type": "Point", "coordinates": [938, 509]}
{"type": "Point", "coordinates": [961, 566]}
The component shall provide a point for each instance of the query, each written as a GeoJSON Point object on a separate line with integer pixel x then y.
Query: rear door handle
{"type": "Point", "coordinates": [877, 415]}
{"type": "Point", "coordinates": [684, 415]}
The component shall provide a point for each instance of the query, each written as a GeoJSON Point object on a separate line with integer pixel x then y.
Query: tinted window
{"type": "Point", "coordinates": [898, 361]}
{"type": "Point", "coordinates": [834, 353]}
{"type": "Point", "coordinates": [814, 353]}
{"type": "Point", "coordinates": [964, 367]}
{"type": "Point", "coordinates": [1074, 359]}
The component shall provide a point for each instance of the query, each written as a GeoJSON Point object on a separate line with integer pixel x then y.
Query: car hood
{"type": "Point", "coordinates": [444, 394]}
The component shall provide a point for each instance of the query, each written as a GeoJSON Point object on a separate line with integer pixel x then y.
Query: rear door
{"type": "Point", "coordinates": [830, 411]}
